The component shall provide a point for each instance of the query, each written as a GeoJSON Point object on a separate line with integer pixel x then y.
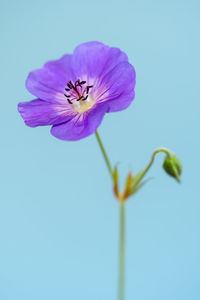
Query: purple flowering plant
{"type": "Point", "coordinates": [73, 94]}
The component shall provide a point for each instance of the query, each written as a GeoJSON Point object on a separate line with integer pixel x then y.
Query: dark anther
{"type": "Point", "coordinates": [78, 83]}
{"type": "Point", "coordinates": [70, 102]}
{"type": "Point", "coordinates": [79, 98]}
{"type": "Point", "coordinates": [88, 87]}
{"type": "Point", "coordinates": [82, 82]}
{"type": "Point", "coordinates": [70, 85]}
{"type": "Point", "coordinates": [67, 90]}
{"type": "Point", "coordinates": [85, 98]}
{"type": "Point", "coordinates": [68, 96]}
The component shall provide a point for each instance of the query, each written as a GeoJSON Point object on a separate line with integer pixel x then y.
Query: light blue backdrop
{"type": "Point", "coordinates": [58, 217]}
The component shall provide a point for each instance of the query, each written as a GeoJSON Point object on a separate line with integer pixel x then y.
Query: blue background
{"type": "Point", "coordinates": [58, 217]}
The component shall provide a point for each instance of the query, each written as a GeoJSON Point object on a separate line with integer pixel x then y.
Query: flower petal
{"type": "Point", "coordinates": [81, 126]}
{"type": "Point", "coordinates": [120, 83]}
{"type": "Point", "coordinates": [38, 112]}
{"type": "Point", "coordinates": [49, 82]}
{"type": "Point", "coordinates": [94, 59]}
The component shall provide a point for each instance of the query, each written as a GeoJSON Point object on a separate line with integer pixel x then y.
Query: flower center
{"type": "Point", "coordinates": [78, 95]}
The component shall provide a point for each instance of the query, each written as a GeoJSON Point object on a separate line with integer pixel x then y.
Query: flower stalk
{"type": "Point", "coordinates": [121, 283]}
{"type": "Point", "coordinates": [172, 167]}
{"type": "Point", "coordinates": [107, 161]}
{"type": "Point", "coordinates": [114, 175]}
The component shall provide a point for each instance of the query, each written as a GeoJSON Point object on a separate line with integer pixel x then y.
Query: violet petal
{"type": "Point", "coordinates": [94, 59]}
{"type": "Point", "coordinates": [38, 113]}
{"type": "Point", "coordinates": [120, 82]}
{"type": "Point", "coordinates": [75, 129]}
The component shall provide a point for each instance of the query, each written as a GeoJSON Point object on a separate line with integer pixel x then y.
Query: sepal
{"type": "Point", "coordinates": [116, 182]}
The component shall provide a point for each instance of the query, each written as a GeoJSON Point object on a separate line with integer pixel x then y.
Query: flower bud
{"type": "Point", "coordinates": [172, 166]}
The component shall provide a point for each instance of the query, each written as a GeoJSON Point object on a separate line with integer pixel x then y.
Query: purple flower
{"type": "Point", "coordinates": [74, 92]}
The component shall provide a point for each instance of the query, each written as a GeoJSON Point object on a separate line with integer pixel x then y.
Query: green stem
{"type": "Point", "coordinates": [122, 227]}
{"type": "Point", "coordinates": [153, 157]}
{"type": "Point", "coordinates": [122, 253]}
{"type": "Point", "coordinates": [143, 173]}
{"type": "Point", "coordinates": [104, 153]}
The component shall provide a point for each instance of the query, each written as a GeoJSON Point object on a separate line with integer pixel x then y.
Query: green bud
{"type": "Point", "coordinates": [172, 166]}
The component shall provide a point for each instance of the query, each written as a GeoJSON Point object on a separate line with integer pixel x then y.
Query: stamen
{"type": "Point", "coordinates": [70, 102]}
{"type": "Point", "coordinates": [79, 98]}
{"type": "Point", "coordinates": [81, 94]}
{"type": "Point", "coordinates": [70, 85]}
{"type": "Point", "coordinates": [85, 98]}
{"type": "Point", "coordinates": [77, 83]}
{"type": "Point", "coordinates": [89, 87]}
